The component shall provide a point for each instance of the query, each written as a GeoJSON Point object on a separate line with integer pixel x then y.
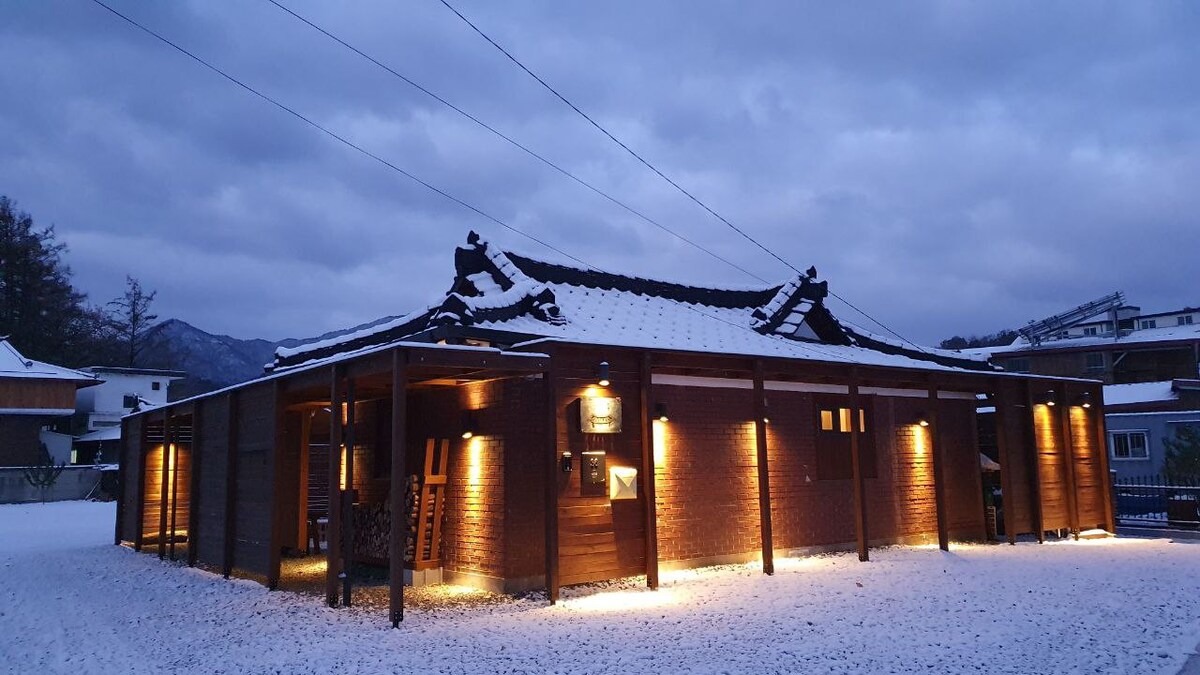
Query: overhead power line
{"type": "Point", "coordinates": [541, 158]}
{"type": "Point", "coordinates": [654, 168]}
{"type": "Point", "coordinates": [291, 111]}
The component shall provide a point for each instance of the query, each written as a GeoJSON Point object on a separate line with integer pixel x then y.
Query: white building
{"type": "Point", "coordinates": [122, 390]}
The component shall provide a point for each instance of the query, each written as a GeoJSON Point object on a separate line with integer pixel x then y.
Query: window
{"type": "Point", "coordinates": [1091, 330]}
{"type": "Point", "coordinates": [1185, 320]}
{"type": "Point", "coordinates": [1095, 362]}
{"type": "Point", "coordinates": [129, 401]}
{"type": "Point", "coordinates": [834, 423]}
{"type": "Point", "coordinates": [1129, 445]}
{"type": "Point", "coordinates": [1148, 323]}
{"type": "Point", "coordinates": [1020, 365]}
{"type": "Point", "coordinates": [1107, 326]}
{"type": "Point", "coordinates": [156, 385]}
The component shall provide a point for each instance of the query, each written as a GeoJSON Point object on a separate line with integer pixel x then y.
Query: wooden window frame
{"type": "Point", "coordinates": [833, 444]}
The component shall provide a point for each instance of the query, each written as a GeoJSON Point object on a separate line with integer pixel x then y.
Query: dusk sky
{"type": "Point", "coordinates": [951, 167]}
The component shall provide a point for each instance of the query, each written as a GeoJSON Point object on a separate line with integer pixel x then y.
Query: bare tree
{"type": "Point", "coordinates": [130, 318]}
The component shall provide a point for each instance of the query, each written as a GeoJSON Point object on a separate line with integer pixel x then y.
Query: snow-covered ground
{"type": "Point", "coordinates": [71, 602]}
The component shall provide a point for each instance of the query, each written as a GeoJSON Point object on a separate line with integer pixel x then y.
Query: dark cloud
{"type": "Point", "coordinates": [948, 166]}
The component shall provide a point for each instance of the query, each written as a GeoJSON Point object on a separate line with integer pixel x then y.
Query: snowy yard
{"type": "Point", "coordinates": [74, 603]}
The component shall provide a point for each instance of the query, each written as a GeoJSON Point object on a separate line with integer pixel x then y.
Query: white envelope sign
{"type": "Point", "coordinates": [622, 482]}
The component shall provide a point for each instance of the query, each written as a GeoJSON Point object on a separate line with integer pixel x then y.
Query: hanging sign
{"type": "Point", "coordinates": [600, 415]}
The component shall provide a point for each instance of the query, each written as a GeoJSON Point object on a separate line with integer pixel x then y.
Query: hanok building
{"type": "Point", "coordinates": [546, 425]}
{"type": "Point", "coordinates": [33, 395]}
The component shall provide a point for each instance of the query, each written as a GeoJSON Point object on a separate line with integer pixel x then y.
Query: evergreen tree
{"type": "Point", "coordinates": [1182, 458]}
{"type": "Point", "coordinates": [131, 319]}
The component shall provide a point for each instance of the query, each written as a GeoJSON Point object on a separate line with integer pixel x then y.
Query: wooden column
{"type": "Point", "coordinates": [165, 485]}
{"type": "Point", "coordinates": [304, 444]}
{"type": "Point", "coordinates": [174, 466]}
{"type": "Point", "coordinates": [1036, 472]}
{"type": "Point", "coordinates": [398, 543]}
{"type": "Point", "coordinates": [275, 546]}
{"type": "Point", "coordinates": [1068, 445]}
{"type": "Point", "coordinates": [648, 495]}
{"type": "Point", "coordinates": [348, 497]}
{"type": "Point", "coordinates": [939, 478]}
{"type": "Point", "coordinates": [860, 505]}
{"type": "Point", "coordinates": [764, 481]}
{"type": "Point", "coordinates": [193, 525]}
{"type": "Point", "coordinates": [1097, 413]}
{"type": "Point", "coordinates": [333, 527]}
{"type": "Point", "coordinates": [551, 480]}
{"type": "Point", "coordinates": [1000, 401]}
{"type": "Point", "coordinates": [231, 469]}
{"type": "Point", "coordinates": [142, 452]}
{"type": "Point", "coordinates": [122, 476]}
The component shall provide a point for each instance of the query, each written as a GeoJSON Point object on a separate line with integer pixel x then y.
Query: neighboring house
{"type": "Point", "coordinates": [1118, 345]}
{"type": "Point", "coordinates": [544, 425]}
{"type": "Point", "coordinates": [120, 392]}
{"type": "Point", "coordinates": [33, 395]}
{"type": "Point", "coordinates": [1140, 416]}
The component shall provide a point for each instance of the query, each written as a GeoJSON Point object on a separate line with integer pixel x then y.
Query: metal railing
{"type": "Point", "coordinates": [1158, 500]}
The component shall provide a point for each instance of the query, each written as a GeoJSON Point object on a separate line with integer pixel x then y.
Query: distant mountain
{"type": "Point", "coordinates": [216, 361]}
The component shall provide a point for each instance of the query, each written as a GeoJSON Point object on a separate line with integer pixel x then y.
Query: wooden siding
{"type": "Point", "coordinates": [131, 488]}
{"type": "Point", "coordinates": [32, 394]}
{"type": "Point", "coordinates": [1091, 485]}
{"type": "Point", "coordinates": [1055, 512]}
{"type": "Point", "coordinates": [255, 478]}
{"type": "Point", "coordinates": [212, 449]}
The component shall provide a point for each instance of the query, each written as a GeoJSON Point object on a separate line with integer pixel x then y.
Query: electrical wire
{"type": "Point", "coordinates": [655, 169]}
{"type": "Point", "coordinates": [541, 158]}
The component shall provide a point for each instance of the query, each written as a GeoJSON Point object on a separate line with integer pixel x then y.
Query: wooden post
{"type": "Point", "coordinates": [1000, 401]}
{"type": "Point", "coordinates": [647, 482]}
{"type": "Point", "coordinates": [139, 534]}
{"type": "Point", "coordinates": [939, 479]}
{"type": "Point", "coordinates": [1097, 413]}
{"type": "Point", "coordinates": [1064, 417]}
{"type": "Point", "coordinates": [551, 480]}
{"type": "Point", "coordinates": [1031, 431]}
{"type": "Point", "coordinates": [304, 443]}
{"type": "Point", "coordinates": [398, 543]}
{"type": "Point", "coordinates": [174, 526]}
{"type": "Point", "coordinates": [333, 528]}
{"type": "Point", "coordinates": [764, 481]}
{"type": "Point", "coordinates": [193, 525]}
{"type": "Point", "coordinates": [348, 497]}
{"type": "Point", "coordinates": [164, 485]}
{"type": "Point", "coordinates": [277, 493]}
{"type": "Point", "coordinates": [860, 506]}
{"type": "Point", "coordinates": [231, 469]}
{"type": "Point", "coordinates": [122, 476]}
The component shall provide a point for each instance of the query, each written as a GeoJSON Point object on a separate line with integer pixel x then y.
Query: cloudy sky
{"type": "Point", "coordinates": [950, 167]}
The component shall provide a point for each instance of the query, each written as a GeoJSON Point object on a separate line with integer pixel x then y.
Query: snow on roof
{"type": "Point", "coordinates": [1145, 392]}
{"type": "Point", "coordinates": [516, 294]}
{"type": "Point", "coordinates": [1143, 335]}
{"type": "Point", "coordinates": [13, 365]}
{"type": "Point", "coordinates": [105, 434]}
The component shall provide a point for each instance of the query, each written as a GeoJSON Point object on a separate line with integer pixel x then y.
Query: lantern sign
{"type": "Point", "coordinates": [600, 415]}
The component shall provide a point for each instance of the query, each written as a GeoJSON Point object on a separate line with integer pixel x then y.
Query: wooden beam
{"type": "Point", "coordinates": [648, 495]}
{"type": "Point", "coordinates": [551, 481]}
{"type": "Point", "coordinates": [123, 455]}
{"type": "Point", "coordinates": [1036, 472]}
{"type": "Point", "coordinates": [304, 449]}
{"type": "Point", "coordinates": [174, 466]}
{"type": "Point", "coordinates": [165, 486]}
{"type": "Point", "coordinates": [194, 453]}
{"type": "Point", "coordinates": [348, 497]}
{"type": "Point", "coordinates": [275, 545]}
{"type": "Point", "coordinates": [398, 543]}
{"type": "Point", "coordinates": [333, 527]}
{"type": "Point", "coordinates": [1068, 451]}
{"type": "Point", "coordinates": [231, 470]}
{"type": "Point", "coordinates": [764, 481]}
{"type": "Point", "coordinates": [1101, 431]}
{"type": "Point", "coordinates": [939, 477]}
{"type": "Point", "coordinates": [140, 505]}
{"type": "Point", "coordinates": [1001, 403]}
{"type": "Point", "coordinates": [860, 506]}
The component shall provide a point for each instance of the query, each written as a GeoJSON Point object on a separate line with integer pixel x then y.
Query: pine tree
{"type": "Point", "coordinates": [131, 319]}
{"type": "Point", "coordinates": [1182, 458]}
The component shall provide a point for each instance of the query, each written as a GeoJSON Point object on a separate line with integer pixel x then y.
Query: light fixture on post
{"type": "Point", "coordinates": [468, 424]}
{"type": "Point", "coordinates": [1049, 399]}
{"type": "Point", "coordinates": [1085, 399]}
{"type": "Point", "coordinates": [766, 417]}
{"type": "Point", "coordinates": [922, 420]}
{"type": "Point", "coordinates": [602, 374]}
{"type": "Point", "coordinates": [660, 412]}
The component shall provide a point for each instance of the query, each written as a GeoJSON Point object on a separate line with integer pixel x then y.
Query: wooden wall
{"type": "Point", "coordinates": [131, 489]}
{"type": "Point", "coordinates": [1052, 462]}
{"type": "Point", "coordinates": [212, 453]}
{"type": "Point", "coordinates": [1091, 485]}
{"type": "Point", "coordinates": [28, 393]}
{"type": "Point", "coordinates": [255, 478]}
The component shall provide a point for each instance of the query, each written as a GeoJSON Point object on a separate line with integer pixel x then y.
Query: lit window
{"type": "Point", "coordinates": [827, 420]}
{"type": "Point", "coordinates": [1129, 445]}
{"type": "Point", "coordinates": [844, 419]}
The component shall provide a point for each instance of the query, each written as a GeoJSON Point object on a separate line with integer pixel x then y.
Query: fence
{"type": "Point", "coordinates": [1158, 500]}
{"type": "Point", "coordinates": [89, 481]}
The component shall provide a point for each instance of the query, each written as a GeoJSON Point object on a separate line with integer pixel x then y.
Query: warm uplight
{"type": "Point", "coordinates": [468, 424]}
{"type": "Point", "coordinates": [342, 470]}
{"type": "Point", "coordinates": [660, 444]}
{"type": "Point", "coordinates": [474, 462]}
{"type": "Point", "coordinates": [1050, 398]}
{"type": "Point", "coordinates": [1085, 399]}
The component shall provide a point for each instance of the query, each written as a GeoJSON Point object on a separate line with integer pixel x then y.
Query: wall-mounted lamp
{"type": "Point", "coordinates": [922, 420]}
{"type": "Point", "coordinates": [1049, 400]}
{"type": "Point", "coordinates": [468, 424]}
{"type": "Point", "coordinates": [660, 412]}
{"type": "Point", "coordinates": [1085, 399]}
{"type": "Point", "coordinates": [766, 417]}
{"type": "Point", "coordinates": [566, 462]}
{"type": "Point", "coordinates": [602, 374]}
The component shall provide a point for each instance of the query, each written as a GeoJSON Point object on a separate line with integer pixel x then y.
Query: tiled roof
{"type": "Point", "coordinates": [13, 365]}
